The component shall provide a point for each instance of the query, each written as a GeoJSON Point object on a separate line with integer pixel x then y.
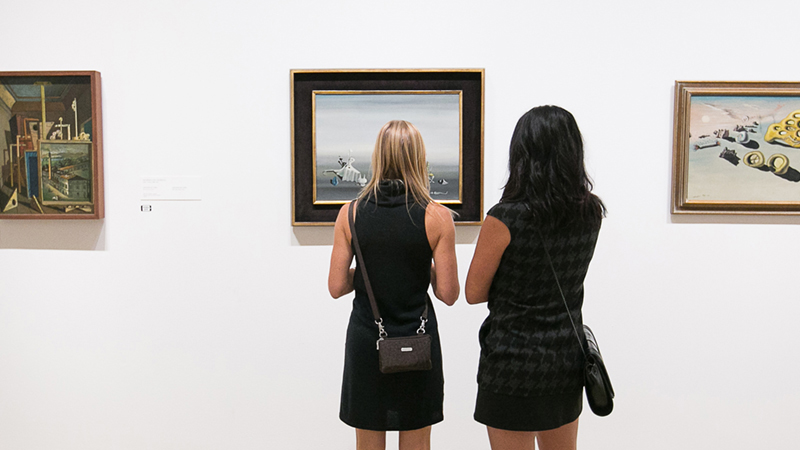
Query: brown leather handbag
{"type": "Point", "coordinates": [397, 354]}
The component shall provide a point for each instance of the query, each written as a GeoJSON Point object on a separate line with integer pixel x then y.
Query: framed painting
{"type": "Point", "coordinates": [736, 148]}
{"type": "Point", "coordinates": [336, 116]}
{"type": "Point", "coordinates": [51, 165]}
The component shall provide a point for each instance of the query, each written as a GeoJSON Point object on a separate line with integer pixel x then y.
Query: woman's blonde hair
{"type": "Point", "coordinates": [400, 155]}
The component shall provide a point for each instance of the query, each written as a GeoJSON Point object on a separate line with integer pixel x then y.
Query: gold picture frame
{"type": "Point", "coordinates": [733, 148]}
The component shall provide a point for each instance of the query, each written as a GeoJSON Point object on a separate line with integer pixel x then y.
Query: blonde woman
{"type": "Point", "coordinates": [408, 243]}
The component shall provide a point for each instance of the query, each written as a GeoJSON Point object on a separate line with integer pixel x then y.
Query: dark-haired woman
{"type": "Point", "coordinates": [530, 376]}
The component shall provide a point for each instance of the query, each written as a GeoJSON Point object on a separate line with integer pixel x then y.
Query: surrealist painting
{"type": "Point", "coordinates": [737, 148]}
{"type": "Point", "coordinates": [344, 137]}
{"type": "Point", "coordinates": [51, 161]}
{"type": "Point", "coordinates": [336, 116]}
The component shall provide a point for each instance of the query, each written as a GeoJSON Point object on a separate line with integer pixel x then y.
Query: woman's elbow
{"type": "Point", "coordinates": [337, 289]}
{"type": "Point", "coordinates": [448, 296]}
{"type": "Point", "coordinates": [473, 300]}
{"type": "Point", "coordinates": [340, 284]}
{"type": "Point", "coordinates": [474, 296]}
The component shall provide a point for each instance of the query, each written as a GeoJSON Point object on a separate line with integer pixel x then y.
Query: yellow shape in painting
{"type": "Point", "coordinates": [13, 202]}
{"type": "Point", "coordinates": [754, 159]}
{"type": "Point", "coordinates": [786, 131]}
{"type": "Point", "coordinates": [779, 163]}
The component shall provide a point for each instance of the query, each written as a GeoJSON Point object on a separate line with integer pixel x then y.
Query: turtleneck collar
{"type": "Point", "coordinates": [391, 192]}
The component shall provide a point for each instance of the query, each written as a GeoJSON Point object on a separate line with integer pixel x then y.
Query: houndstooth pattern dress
{"type": "Point", "coordinates": [530, 375]}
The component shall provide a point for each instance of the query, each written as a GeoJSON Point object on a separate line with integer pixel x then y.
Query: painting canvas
{"type": "Point", "coordinates": [346, 126]}
{"type": "Point", "coordinates": [51, 160]}
{"type": "Point", "coordinates": [737, 148]}
{"type": "Point", "coordinates": [336, 117]}
{"type": "Point", "coordinates": [66, 168]}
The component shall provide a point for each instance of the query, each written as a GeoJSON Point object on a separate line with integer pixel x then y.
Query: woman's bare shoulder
{"type": "Point", "coordinates": [441, 214]}
{"type": "Point", "coordinates": [342, 221]}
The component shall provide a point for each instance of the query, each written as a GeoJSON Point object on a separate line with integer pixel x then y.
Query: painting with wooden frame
{"type": "Point", "coordinates": [736, 148]}
{"type": "Point", "coordinates": [51, 165]}
{"type": "Point", "coordinates": [336, 116]}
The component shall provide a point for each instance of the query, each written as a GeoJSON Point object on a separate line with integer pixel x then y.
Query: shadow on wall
{"type": "Point", "coordinates": [53, 235]}
{"type": "Point", "coordinates": [323, 235]}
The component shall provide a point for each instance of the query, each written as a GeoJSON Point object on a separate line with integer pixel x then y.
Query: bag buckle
{"type": "Point", "coordinates": [422, 322]}
{"type": "Point", "coordinates": [381, 333]}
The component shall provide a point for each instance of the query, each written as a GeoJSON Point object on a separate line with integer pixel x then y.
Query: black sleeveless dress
{"type": "Point", "coordinates": [530, 376]}
{"type": "Point", "coordinates": [397, 255]}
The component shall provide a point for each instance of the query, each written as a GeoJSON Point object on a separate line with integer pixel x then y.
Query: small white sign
{"type": "Point", "coordinates": [406, 349]}
{"type": "Point", "coordinates": [172, 188]}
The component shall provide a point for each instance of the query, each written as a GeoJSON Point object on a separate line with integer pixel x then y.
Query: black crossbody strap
{"type": "Point", "coordinates": [569, 313]}
{"type": "Point", "coordinates": [373, 304]}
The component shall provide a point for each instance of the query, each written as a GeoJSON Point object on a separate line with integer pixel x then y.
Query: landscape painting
{"type": "Point", "coordinates": [51, 160]}
{"type": "Point", "coordinates": [66, 168]}
{"type": "Point", "coordinates": [346, 125]}
{"type": "Point", "coordinates": [739, 150]}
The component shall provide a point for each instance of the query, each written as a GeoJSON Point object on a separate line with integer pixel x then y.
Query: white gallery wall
{"type": "Point", "coordinates": [207, 324]}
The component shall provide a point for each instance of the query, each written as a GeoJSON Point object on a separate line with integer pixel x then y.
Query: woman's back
{"type": "Point", "coordinates": [397, 255]}
{"type": "Point", "coordinates": [528, 343]}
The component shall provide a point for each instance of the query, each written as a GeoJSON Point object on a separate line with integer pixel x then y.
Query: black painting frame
{"type": "Point", "coordinates": [304, 82]}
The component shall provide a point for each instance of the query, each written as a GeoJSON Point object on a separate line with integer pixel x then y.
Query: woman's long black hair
{"type": "Point", "coordinates": [547, 170]}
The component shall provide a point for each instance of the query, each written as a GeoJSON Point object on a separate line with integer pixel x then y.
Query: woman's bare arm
{"type": "Point", "coordinates": [442, 238]}
{"type": "Point", "coordinates": [492, 242]}
{"type": "Point", "coordinates": [340, 276]}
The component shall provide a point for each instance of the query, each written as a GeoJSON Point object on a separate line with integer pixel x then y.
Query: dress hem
{"type": "Point", "coordinates": [512, 413]}
{"type": "Point", "coordinates": [370, 428]}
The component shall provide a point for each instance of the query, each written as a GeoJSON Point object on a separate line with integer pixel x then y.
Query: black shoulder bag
{"type": "Point", "coordinates": [399, 354]}
{"type": "Point", "coordinates": [599, 391]}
